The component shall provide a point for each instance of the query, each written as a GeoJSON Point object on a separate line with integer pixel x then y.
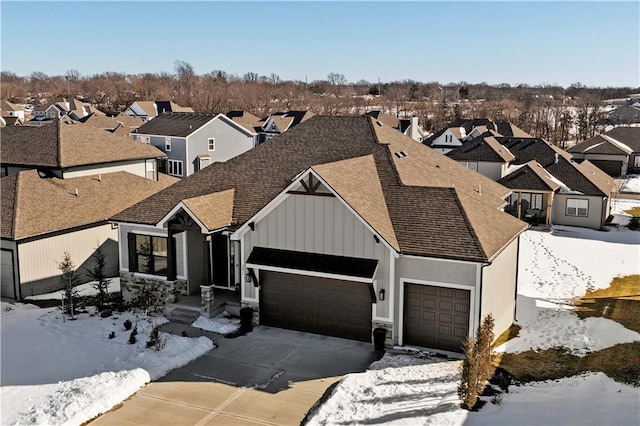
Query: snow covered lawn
{"type": "Point", "coordinates": [631, 183]}
{"type": "Point", "coordinates": [55, 372]}
{"type": "Point", "coordinates": [555, 268]}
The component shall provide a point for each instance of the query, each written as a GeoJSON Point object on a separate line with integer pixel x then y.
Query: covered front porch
{"type": "Point", "coordinates": [531, 207]}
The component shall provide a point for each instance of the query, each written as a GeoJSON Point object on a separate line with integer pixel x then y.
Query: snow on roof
{"type": "Point", "coordinates": [594, 146]}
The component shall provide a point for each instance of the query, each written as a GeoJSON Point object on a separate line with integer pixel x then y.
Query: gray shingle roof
{"type": "Point", "coordinates": [447, 218]}
{"type": "Point", "coordinates": [179, 124]}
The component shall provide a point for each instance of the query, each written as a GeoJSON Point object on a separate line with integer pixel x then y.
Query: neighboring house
{"type": "Point", "coordinates": [7, 109]}
{"type": "Point", "coordinates": [67, 148]}
{"type": "Point", "coordinates": [247, 120]}
{"type": "Point", "coordinates": [148, 110]}
{"type": "Point", "coordinates": [62, 107]}
{"type": "Point", "coordinates": [10, 121]}
{"type": "Point", "coordinates": [279, 122]}
{"type": "Point", "coordinates": [616, 152]}
{"type": "Point", "coordinates": [192, 141]}
{"type": "Point", "coordinates": [624, 115]}
{"type": "Point", "coordinates": [484, 155]}
{"type": "Point", "coordinates": [44, 216]}
{"type": "Point", "coordinates": [120, 125]}
{"type": "Point", "coordinates": [546, 182]}
{"type": "Point", "coordinates": [360, 229]}
{"type": "Point", "coordinates": [407, 126]}
{"type": "Point", "coordinates": [463, 130]}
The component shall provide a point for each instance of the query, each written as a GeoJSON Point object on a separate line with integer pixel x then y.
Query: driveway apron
{"type": "Point", "coordinates": [267, 376]}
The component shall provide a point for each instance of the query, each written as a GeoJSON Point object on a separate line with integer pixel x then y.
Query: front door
{"type": "Point", "coordinates": [220, 260]}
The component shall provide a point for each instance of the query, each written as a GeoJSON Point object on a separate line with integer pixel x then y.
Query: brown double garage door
{"type": "Point", "coordinates": [436, 317]}
{"type": "Point", "coordinates": [316, 305]}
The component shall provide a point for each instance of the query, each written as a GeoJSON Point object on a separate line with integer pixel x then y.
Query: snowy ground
{"type": "Point", "coordinates": [556, 267]}
{"type": "Point", "coordinates": [86, 289]}
{"type": "Point", "coordinates": [55, 372]}
{"type": "Point", "coordinates": [631, 183]}
{"type": "Point", "coordinates": [222, 324]}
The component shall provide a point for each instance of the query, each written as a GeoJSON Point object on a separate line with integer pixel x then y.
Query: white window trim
{"type": "Point", "coordinates": [577, 207]}
{"type": "Point", "coordinates": [636, 161]}
{"type": "Point", "coordinates": [209, 141]}
{"type": "Point", "coordinates": [167, 144]}
{"type": "Point", "coordinates": [172, 164]}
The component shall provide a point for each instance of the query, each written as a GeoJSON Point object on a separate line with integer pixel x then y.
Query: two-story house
{"type": "Point", "coordinates": [60, 183]}
{"type": "Point", "coordinates": [148, 110]}
{"type": "Point", "coordinates": [192, 141]}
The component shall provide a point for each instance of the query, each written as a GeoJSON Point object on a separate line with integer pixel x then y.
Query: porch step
{"type": "Point", "coordinates": [183, 316]}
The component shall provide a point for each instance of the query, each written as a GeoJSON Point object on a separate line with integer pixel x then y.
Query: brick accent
{"type": "Point", "coordinates": [162, 290]}
{"type": "Point", "coordinates": [207, 300]}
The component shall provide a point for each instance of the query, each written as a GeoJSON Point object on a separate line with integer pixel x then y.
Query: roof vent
{"type": "Point", "coordinates": [479, 189]}
{"type": "Point", "coordinates": [77, 194]}
{"type": "Point", "coordinates": [400, 154]}
{"type": "Point", "coordinates": [99, 178]}
{"type": "Point", "coordinates": [379, 123]}
{"type": "Point", "coordinates": [437, 166]}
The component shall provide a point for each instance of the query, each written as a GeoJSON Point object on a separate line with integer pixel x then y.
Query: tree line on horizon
{"type": "Point", "coordinates": [548, 111]}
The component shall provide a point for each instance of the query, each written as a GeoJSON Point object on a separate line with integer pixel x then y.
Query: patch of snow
{"type": "Point", "coordinates": [222, 324]}
{"type": "Point", "coordinates": [56, 372]}
{"type": "Point", "coordinates": [86, 289]}
{"type": "Point", "coordinates": [593, 146]}
{"type": "Point", "coordinates": [545, 327]}
{"type": "Point", "coordinates": [591, 398]}
{"type": "Point", "coordinates": [631, 183]}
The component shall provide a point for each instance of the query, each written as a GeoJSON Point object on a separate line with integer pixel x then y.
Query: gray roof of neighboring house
{"type": "Point", "coordinates": [179, 124]}
{"type": "Point", "coordinates": [628, 136]}
{"type": "Point", "coordinates": [421, 203]}
{"type": "Point", "coordinates": [482, 149]}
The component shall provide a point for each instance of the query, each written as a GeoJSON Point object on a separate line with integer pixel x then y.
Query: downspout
{"type": "Point", "coordinates": [515, 296]}
{"type": "Point", "coordinates": [484, 265]}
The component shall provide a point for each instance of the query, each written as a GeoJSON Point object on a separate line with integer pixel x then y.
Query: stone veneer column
{"type": "Point", "coordinates": [208, 305]}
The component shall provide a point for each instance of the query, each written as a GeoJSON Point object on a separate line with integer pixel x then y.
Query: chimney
{"type": "Point", "coordinates": [414, 128]}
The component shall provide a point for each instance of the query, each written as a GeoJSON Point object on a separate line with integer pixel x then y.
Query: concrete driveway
{"type": "Point", "coordinates": [268, 376]}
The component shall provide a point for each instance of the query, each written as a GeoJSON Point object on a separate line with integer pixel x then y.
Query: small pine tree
{"type": "Point", "coordinates": [127, 325]}
{"type": "Point", "coordinates": [468, 388]}
{"type": "Point", "coordinates": [485, 339]}
{"type": "Point", "coordinates": [69, 280]}
{"type": "Point", "coordinates": [98, 274]}
{"type": "Point", "coordinates": [154, 339]}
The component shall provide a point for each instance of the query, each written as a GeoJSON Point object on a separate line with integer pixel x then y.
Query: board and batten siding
{"type": "Point", "coordinates": [321, 225]}
{"type": "Point", "coordinates": [39, 259]}
{"type": "Point", "coordinates": [178, 150]}
{"type": "Point", "coordinates": [499, 283]}
{"type": "Point", "coordinates": [125, 228]}
{"type": "Point", "coordinates": [229, 142]}
{"type": "Point", "coordinates": [136, 167]}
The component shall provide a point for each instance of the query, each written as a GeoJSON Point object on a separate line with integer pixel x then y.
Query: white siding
{"type": "Point", "coordinates": [134, 167]}
{"type": "Point", "coordinates": [596, 216]}
{"type": "Point", "coordinates": [499, 288]}
{"type": "Point", "coordinates": [493, 171]}
{"type": "Point", "coordinates": [39, 259]}
{"type": "Point", "coordinates": [319, 225]}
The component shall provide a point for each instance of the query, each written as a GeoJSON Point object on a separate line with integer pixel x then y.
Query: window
{"type": "Point", "coordinates": [212, 144]}
{"type": "Point", "coordinates": [150, 169]}
{"type": "Point", "coordinates": [175, 167]}
{"type": "Point", "coordinates": [167, 144]}
{"type": "Point", "coordinates": [146, 139]}
{"type": "Point", "coordinates": [147, 254]}
{"type": "Point", "coordinates": [636, 161]}
{"type": "Point", "coordinates": [473, 165]}
{"type": "Point", "coordinates": [577, 207]}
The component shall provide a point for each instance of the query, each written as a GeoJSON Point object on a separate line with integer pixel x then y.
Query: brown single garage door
{"type": "Point", "coordinates": [612, 168]}
{"type": "Point", "coordinates": [436, 317]}
{"type": "Point", "coordinates": [316, 305]}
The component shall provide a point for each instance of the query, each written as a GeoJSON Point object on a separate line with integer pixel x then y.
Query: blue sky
{"type": "Point", "coordinates": [595, 43]}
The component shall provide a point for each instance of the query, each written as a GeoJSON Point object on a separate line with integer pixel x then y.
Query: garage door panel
{"type": "Point", "coordinates": [316, 305]}
{"type": "Point", "coordinates": [442, 319]}
{"type": "Point", "coordinates": [611, 167]}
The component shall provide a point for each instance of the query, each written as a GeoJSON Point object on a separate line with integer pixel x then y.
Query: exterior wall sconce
{"type": "Point", "coordinates": [247, 278]}
{"type": "Point", "coordinates": [381, 294]}
{"type": "Point", "coordinates": [252, 226]}
{"type": "Point", "coordinates": [376, 239]}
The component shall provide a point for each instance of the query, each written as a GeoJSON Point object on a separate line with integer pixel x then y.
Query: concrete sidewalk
{"type": "Point", "coordinates": [268, 376]}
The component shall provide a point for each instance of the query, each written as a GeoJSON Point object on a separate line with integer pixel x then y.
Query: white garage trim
{"type": "Point", "coordinates": [313, 273]}
{"type": "Point", "coordinates": [473, 303]}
